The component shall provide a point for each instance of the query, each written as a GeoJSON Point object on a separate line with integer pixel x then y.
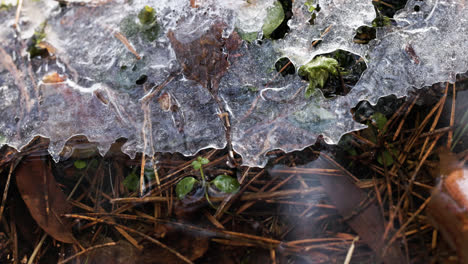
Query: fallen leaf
{"type": "Point", "coordinates": [204, 60]}
{"type": "Point", "coordinates": [45, 200]}
{"type": "Point", "coordinates": [53, 78]}
{"type": "Point", "coordinates": [447, 209]}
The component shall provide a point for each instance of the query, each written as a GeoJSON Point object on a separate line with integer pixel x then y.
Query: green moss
{"type": "Point", "coordinates": [39, 36]}
{"type": "Point", "coordinates": [147, 15]}
{"type": "Point", "coordinates": [381, 21]}
{"type": "Point", "coordinates": [317, 72]}
{"type": "Point", "coordinates": [146, 26]}
{"type": "Point", "coordinates": [151, 33]}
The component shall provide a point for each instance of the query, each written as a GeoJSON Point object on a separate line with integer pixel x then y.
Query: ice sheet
{"type": "Point", "coordinates": [104, 53]}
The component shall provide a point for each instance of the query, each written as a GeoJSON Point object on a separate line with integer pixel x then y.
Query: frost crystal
{"type": "Point", "coordinates": [164, 85]}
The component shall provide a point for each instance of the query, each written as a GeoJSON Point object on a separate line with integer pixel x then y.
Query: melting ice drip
{"type": "Point", "coordinates": [101, 95]}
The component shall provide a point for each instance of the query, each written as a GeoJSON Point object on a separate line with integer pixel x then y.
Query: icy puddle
{"type": "Point", "coordinates": [179, 76]}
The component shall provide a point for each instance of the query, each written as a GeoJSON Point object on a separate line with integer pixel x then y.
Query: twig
{"type": "Point", "coordinates": [127, 44]}
{"type": "Point", "coordinates": [350, 251]}
{"type": "Point", "coordinates": [151, 199]}
{"type": "Point", "coordinates": [18, 13]}
{"type": "Point", "coordinates": [452, 117]}
{"type": "Point", "coordinates": [277, 194]}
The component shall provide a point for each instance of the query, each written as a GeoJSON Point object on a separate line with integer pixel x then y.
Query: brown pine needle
{"type": "Point", "coordinates": [402, 228]}
{"type": "Point", "coordinates": [86, 251]}
{"type": "Point", "coordinates": [149, 238]}
{"type": "Point", "coordinates": [127, 44]}
{"type": "Point", "coordinates": [436, 120]}
{"type": "Point", "coordinates": [452, 117]}
{"type": "Point", "coordinates": [404, 118]}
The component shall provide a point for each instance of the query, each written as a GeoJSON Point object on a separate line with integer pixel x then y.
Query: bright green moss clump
{"type": "Point", "coordinates": [317, 72]}
{"type": "Point", "coordinates": [147, 15]}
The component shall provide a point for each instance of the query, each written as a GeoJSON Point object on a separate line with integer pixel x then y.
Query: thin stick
{"type": "Point", "coordinates": [350, 251]}
{"type": "Point", "coordinates": [5, 192]}
{"type": "Point", "coordinates": [37, 248]}
{"type": "Point", "coordinates": [151, 199]}
{"type": "Point", "coordinates": [452, 117]}
{"type": "Point", "coordinates": [434, 239]}
{"type": "Point", "coordinates": [86, 251]}
{"type": "Point", "coordinates": [273, 256]}
{"type": "Point", "coordinates": [18, 13]}
{"type": "Point", "coordinates": [127, 44]}
{"type": "Point", "coordinates": [143, 164]}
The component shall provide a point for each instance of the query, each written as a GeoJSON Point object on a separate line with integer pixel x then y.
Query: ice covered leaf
{"type": "Point", "coordinates": [80, 164]}
{"type": "Point", "coordinates": [274, 18]}
{"type": "Point", "coordinates": [185, 186]}
{"type": "Point", "coordinates": [204, 60]}
{"type": "Point", "coordinates": [132, 182]}
{"type": "Point", "coordinates": [226, 184]}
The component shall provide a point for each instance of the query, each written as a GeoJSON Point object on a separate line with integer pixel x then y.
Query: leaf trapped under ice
{"type": "Point", "coordinates": [108, 63]}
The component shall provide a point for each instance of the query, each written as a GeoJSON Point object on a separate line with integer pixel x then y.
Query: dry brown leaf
{"type": "Point", "coordinates": [448, 208]}
{"type": "Point", "coordinates": [45, 200]}
{"type": "Point", "coordinates": [204, 60]}
{"type": "Point", "coordinates": [53, 78]}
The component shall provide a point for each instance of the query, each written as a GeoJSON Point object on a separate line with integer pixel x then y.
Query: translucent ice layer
{"type": "Point", "coordinates": [166, 83]}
